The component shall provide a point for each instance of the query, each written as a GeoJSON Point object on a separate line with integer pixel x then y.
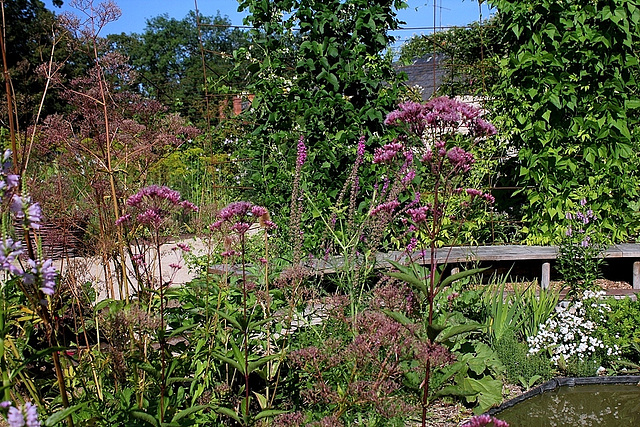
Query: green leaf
{"type": "Point", "coordinates": [398, 317]}
{"type": "Point", "coordinates": [59, 416]}
{"type": "Point", "coordinates": [239, 367]}
{"type": "Point", "coordinates": [188, 411]}
{"type": "Point", "coordinates": [143, 416]}
{"type": "Point", "coordinates": [229, 413]}
{"type": "Point", "coordinates": [269, 413]}
{"type": "Point", "coordinates": [452, 331]}
{"type": "Point", "coordinates": [257, 364]}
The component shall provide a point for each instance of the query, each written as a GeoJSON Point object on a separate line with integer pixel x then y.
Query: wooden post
{"type": "Point", "coordinates": [636, 275]}
{"type": "Point", "coordinates": [546, 275]}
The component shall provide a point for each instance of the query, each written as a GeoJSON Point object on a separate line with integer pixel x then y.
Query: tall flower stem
{"type": "Point", "coordinates": [163, 362]}
{"type": "Point", "coordinates": [246, 323]}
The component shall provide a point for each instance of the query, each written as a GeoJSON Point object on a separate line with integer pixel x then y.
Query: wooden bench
{"type": "Point", "coordinates": [512, 253]}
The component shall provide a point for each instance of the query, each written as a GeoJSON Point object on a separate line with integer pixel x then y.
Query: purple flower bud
{"type": "Point", "coordinates": [123, 219]}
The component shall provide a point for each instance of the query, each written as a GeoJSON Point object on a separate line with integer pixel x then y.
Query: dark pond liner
{"type": "Point", "coordinates": [569, 382]}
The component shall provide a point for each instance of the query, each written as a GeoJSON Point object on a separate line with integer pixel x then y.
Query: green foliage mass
{"type": "Point", "coordinates": [568, 97]}
{"type": "Point", "coordinates": [521, 367]}
{"type": "Point", "coordinates": [168, 57]}
{"type": "Point", "coordinates": [324, 75]}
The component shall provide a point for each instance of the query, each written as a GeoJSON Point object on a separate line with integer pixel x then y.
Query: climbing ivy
{"type": "Point", "coordinates": [568, 98]}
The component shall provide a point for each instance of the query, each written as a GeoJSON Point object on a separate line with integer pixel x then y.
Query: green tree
{"type": "Point", "coordinates": [322, 73]}
{"type": "Point", "coordinates": [568, 99]}
{"type": "Point", "coordinates": [29, 27]}
{"type": "Point", "coordinates": [168, 57]}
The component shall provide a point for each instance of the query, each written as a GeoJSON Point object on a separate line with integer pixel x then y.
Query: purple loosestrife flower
{"type": "Point", "coordinates": [388, 207]}
{"type": "Point", "coordinates": [361, 148]}
{"type": "Point", "coordinates": [302, 152]}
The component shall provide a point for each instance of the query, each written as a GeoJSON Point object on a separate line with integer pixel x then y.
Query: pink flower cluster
{"type": "Point", "coordinates": [386, 153]}
{"type": "Point", "coordinates": [238, 213]}
{"type": "Point", "coordinates": [460, 159]}
{"type": "Point", "coordinates": [484, 420]}
{"type": "Point", "coordinates": [440, 112]}
{"type": "Point", "coordinates": [409, 113]}
{"type": "Point", "coordinates": [388, 207]}
{"type": "Point", "coordinates": [154, 205]}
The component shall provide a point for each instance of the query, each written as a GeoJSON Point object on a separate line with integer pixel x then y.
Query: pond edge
{"type": "Point", "coordinates": [565, 381]}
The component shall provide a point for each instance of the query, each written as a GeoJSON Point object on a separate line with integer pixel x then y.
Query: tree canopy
{"type": "Point", "coordinates": [169, 56]}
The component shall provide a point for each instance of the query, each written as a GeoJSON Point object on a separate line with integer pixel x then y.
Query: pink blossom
{"type": "Point", "coordinates": [184, 247]}
{"type": "Point", "coordinates": [258, 211]}
{"type": "Point", "coordinates": [419, 214]}
{"type": "Point", "coordinates": [386, 153]}
{"type": "Point", "coordinates": [388, 207]}
{"type": "Point", "coordinates": [302, 152]}
{"type": "Point", "coordinates": [408, 113]}
{"type": "Point", "coordinates": [460, 159]}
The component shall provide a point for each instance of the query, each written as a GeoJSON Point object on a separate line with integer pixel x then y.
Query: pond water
{"type": "Point", "coordinates": [604, 405]}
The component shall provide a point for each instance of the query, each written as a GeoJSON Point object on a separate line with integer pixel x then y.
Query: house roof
{"type": "Point", "coordinates": [427, 72]}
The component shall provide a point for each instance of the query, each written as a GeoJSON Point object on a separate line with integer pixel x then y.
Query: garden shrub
{"type": "Point", "coordinates": [521, 366]}
{"type": "Point", "coordinates": [568, 100]}
{"type": "Point", "coordinates": [620, 327]}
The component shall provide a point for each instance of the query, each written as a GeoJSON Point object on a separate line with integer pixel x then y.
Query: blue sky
{"type": "Point", "coordinates": [419, 13]}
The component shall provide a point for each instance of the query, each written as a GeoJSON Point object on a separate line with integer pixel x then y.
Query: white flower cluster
{"type": "Point", "coordinates": [568, 334]}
